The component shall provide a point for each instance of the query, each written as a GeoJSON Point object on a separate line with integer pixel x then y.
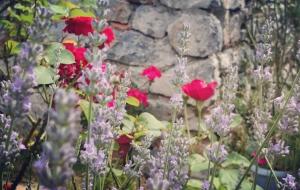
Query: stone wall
{"type": "Point", "coordinates": [147, 34]}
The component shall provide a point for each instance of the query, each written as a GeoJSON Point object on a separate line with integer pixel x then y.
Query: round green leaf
{"type": "Point", "coordinates": [44, 75]}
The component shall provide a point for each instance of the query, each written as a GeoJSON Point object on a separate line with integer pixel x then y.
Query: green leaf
{"type": "Point", "coordinates": [237, 121]}
{"type": "Point", "coordinates": [117, 172]}
{"type": "Point", "coordinates": [128, 125]}
{"type": "Point", "coordinates": [150, 122]}
{"type": "Point", "coordinates": [193, 184]}
{"type": "Point", "coordinates": [13, 46]}
{"type": "Point", "coordinates": [198, 163]}
{"type": "Point", "coordinates": [230, 178]}
{"type": "Point", "coordinates": [84, 106]}
{"type": "Point", "coordinates": [57, 54]}
{"type": "Point", "coordinates": [235, 159]}
{"type": "Point", "coordinates": [79, 12]}
{"type": "Point", "coordinates": [133, 101]}
{"type": "Point", "coordinates": [44, 75]}
{"type": "Point", "coordinates": [61, 10]}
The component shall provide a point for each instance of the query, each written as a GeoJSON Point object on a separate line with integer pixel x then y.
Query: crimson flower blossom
{"type": "Point", "coordinates": [83, 26]}
{"type": "Point", "coordinates": [70, 71]}
{"type": "Point", "coordinates": [110, 35]}
{"type": "Point", "coordinates": [199, 90]}
{"type": "Point", "coordinates": [124, 142]}
{"type": "Point", "coordinates": [79, 25]}
{"type": "Point", "coordinates": [141, 96]}
{"type": "Point", "coordinates": [151, 73]}
{"type": "Point", "coordinates": [261, 160]}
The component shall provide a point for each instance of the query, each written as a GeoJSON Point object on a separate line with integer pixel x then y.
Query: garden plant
{"type": "Point", "coordinates": [94, 131]}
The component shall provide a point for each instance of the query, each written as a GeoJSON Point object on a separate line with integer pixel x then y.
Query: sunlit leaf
{"type": "Point", "coordinates": [133, 101]}
{"type": "Point", "coordinates": [44, 75]}
{"type": "Point", "coordinates": [235, 159]}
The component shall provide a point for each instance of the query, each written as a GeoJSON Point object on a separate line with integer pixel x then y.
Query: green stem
{"type": "Point", "coordinates": [271, 131]}
{"type": "Point", "coordinates": [272, 171]}
{"type": "Point", "coordinates": [255, 177]}
{"type": "Point", "coordinates": [199, 109]}
{"type": "Point", "coordinates": [169, 145]}
{"type": "Point", "coordinates": [215, 166]}
{"type": "Point", "coordinates": [186, 120]}
{"type": "Point", "coordinates": [87, 177]}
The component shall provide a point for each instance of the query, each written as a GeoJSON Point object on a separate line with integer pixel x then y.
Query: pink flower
{"type": "Point", "coordinates": [141, 96]}
{"type": "Point", "coordinates": [261, 160]}
{"type": "Point", "coordinates": [110, 36]}
{"type": "Point", "coordinates": [199, 90]}
{"type": "Point", "coordinates": [151, 72]}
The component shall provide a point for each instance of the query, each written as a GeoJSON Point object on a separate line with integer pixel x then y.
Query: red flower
{"type": "Point", "coordinates": [110, 36]}
{"type": "Point", "coordinates": [69, 71]}
{"type": "Point", "coordinates": [141, 96]}
{"type": "Point", "coordinates": [261, 160]}
{"type": "Point", "coordinates": [199, 90]}
{"type": "Point", "coordinates": [124, 142]}
{"type": "Point", "coordinates": [151, 72]}
{"type": "Point", "coordinates": [79, 25]}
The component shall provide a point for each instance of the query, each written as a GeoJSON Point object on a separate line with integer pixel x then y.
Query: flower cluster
{"type": "Point", "coordinates": [289, 183]}
{"type": "Point", "coordinates": [58, 155]}
{"type": "Point", "coordinates": [168, 168]}
{"type": "Point", "coordinates": [217, 153]}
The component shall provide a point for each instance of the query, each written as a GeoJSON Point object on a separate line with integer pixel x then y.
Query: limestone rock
{"type": "Point", "coordinates": [135, 49]}
{"type": "Point", "coordinates": [143, 1]}
{"type": "Point", "coordinates": [120, 12]}
{"type": "Point", "coordinates": [233, 4]}
{"type": "Point", "coordinates": [152, 21]}
{"type": "Point", "coordinates": [131, 48]}
{"type": "Point", "coordinates": [206, 30]}
{"type": "Point", "coordinates": [232, 28]}
{"type": "Point", "coordinates": [186, 4]}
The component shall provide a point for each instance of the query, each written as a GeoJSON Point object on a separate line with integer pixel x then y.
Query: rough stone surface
{"type": "Point", "coordinates": [202, 69]}
{"type": "Point", "coordinates": [233, 4]}
{"type": "Point", "coordinates": [143, 1]}
{"type": "Point", "coordinates": [206, 33]}
{"type": "Point", "coordinates": [152, 21]}
{"type": "Point", "coordinates": [135, 49]}
{"type": "Point", "coordinates": [120, 12]}
{"type": "Point", "coordinates": [186, 4]}
{"type": "Point", "coordinates": [232, 28]}
{"type": "Point", "coordinates": [131, 48]}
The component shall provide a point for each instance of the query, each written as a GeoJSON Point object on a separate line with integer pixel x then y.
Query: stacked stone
{"type": "Point", "coordinates": [148, 31]}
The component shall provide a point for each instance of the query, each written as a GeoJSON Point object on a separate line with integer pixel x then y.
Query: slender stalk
{"type": "Point", "coordinates": [269, 134]}
{"type": "Point", "coordinates": [186, 120]}
{"type": "Point", "coordinates": [272, 171]}
{"type": "Point", "coordinates": [255, 177]}
{"type": "Point", "coordinates": [269, 181]}
{"type": "Point", "coordinates": [214, 168]}
{"type": "Point", "coordinates": [169, 145]}
{"type": "Point", "coordinates": [87, 176]}
{"type": "Point", "coordinates": [199, 109]}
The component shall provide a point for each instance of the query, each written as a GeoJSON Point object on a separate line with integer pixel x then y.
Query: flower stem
{"type": "Point", "coordinates": [199, 109]}
{"type": "Point", "coordinates": [87, 177]}
{"type": "Point", "coordinates": [270, 132]}
{"type": "Point", "coordinates": [272, 171]}
{"type": "Point", "coordinates": [186, 120]}
{"type": "Point", "coordinates": [169, 144]}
